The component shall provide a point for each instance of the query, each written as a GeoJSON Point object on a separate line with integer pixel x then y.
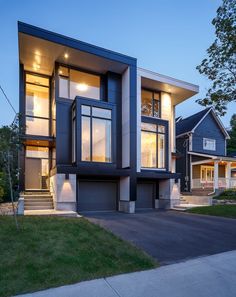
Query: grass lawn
{"type": "Point", "coordinates": [53, 251]}
{"type": "Point", "coordinates": [228, 211]}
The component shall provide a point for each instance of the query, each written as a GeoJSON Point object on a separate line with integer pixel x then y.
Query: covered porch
{"type": "Point", "coordinates": [214, 173]}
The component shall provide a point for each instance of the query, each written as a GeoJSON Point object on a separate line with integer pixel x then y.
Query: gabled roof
{"type": "Point", "coordinates": [189, 124]}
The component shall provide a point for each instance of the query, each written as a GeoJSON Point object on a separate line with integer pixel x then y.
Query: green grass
{"type": "Point", "coordinates": [228, 211]}
{"type": "Point", "coordinates": [53, 251]}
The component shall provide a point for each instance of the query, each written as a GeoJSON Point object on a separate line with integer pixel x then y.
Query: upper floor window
{"type": "Point", "coordinates": [95, 134]}
{"type": "Point", "coordinates": [74, 83]}
{"type": "Point", "coordinates": [150, 105]}
{"type": "Point", "coordinates": [209, 144]}
{"type": "Point", "coordinates": [153, 146]}
{"type": "Point", "coordinates": [37, 105]}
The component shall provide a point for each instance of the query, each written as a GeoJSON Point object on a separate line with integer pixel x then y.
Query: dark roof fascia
{"type": "Point", "coordinates": [76, 44]}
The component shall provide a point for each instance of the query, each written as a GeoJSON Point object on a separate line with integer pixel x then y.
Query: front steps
{"type": "Point", "coordinates": [202, 192]}
{"type": "Point", "coordinates": [38, 201]}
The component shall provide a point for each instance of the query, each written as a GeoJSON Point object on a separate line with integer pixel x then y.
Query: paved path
{"type": "Point", "coordinates": [212, 276]}
{"type": "Point", "coordinates": [171, 236]}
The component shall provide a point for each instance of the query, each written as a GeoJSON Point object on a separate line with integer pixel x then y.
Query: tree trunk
{"type": "Point", "coordinates": [10, 184]}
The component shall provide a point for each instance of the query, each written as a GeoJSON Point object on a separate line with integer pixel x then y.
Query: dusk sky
{"type": "Point", "coordinates": [166, 36]}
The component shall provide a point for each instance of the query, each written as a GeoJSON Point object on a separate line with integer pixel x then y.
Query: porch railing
{"type": "Point", "coordinates": [223, 183]}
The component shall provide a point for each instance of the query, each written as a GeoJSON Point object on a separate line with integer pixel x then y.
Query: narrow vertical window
{"type": "Point", "coordinates": [153, 154]}
{"type": "Point", "coordinates": [96, 142]}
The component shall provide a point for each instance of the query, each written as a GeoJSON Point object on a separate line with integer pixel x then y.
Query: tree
{"type": "Point", "coordinates": [231, 145]}
{"type": "Point", "coordinates": [10, 144]}
{"type": "Point", "coordinates": [220, 64]}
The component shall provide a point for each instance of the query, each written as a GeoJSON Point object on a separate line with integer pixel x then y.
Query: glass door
{"type": "Point", "coordinates": [207, 174]}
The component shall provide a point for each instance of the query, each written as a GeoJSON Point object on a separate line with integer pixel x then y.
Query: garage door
{"type": "Point", "coordinates": [97, 196]}
{"type": "Point", "coordinates": [145, 195]}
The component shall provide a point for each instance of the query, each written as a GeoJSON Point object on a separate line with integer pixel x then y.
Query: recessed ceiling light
{"type": "Point", "coordinates": [66, 56]}
{"type": "Point", "coordinates": [82, 87]}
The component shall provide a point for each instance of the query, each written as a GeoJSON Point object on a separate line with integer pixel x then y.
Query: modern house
{"type": "Point", "coordinates": [204, 164]}
{"type": "Point", "coordinates": [100, 132]}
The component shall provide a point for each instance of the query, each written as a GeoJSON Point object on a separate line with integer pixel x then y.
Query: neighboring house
{"type": "Point", "coordinates": [100, 132]}
{"type": "Point", "coordinates": [203, 162]}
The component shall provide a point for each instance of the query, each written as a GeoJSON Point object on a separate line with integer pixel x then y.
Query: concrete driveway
{"type": "Point", "coordinates": [171, 236]}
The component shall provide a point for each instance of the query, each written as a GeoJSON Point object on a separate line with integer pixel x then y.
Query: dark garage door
{"type": "Point", "coordinates": [97, 196]}
{"type": "Point", "coordinates": [145, 195]}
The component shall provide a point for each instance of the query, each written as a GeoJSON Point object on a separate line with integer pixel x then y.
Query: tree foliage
{"type": "Point", "coordinates": [231, 145]}
{"type": "Point", "coordinates": [10, 144]}
{"type": "Point", "coordinates": [220, 64]}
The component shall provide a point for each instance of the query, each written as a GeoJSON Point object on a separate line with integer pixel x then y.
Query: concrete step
{"type": "Point", "coordinates": [201, 192]}
{"type": "Point", "coordinates": [32, 200]}
{"type": "Point", "coordinates": [37, 196]}
{"type": "Point", "coordinates": [38, 200]}
{"type": "Point", "coordinates": [179, 208]}
{"type": "Point", "coordinates": [49, 203]}
{"type": "Point", "coordinates": [38, 207]}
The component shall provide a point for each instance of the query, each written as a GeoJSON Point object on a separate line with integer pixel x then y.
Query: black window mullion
{"type": "Point", "coordinates": [91, 139]}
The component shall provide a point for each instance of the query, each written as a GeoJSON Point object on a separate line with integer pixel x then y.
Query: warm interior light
{"type": "Point", "coordinates": [66, 56]}
{"type": "Point", "coordinates": [60, 72]}
{"type": "Point", "coordinates": [36, 66]}
{"type": "Point", "coordinates": [82, 87]}
{"type": "Point", "coordinates": [37, 107]}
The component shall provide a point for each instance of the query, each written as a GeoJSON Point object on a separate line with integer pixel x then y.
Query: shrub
{"type": "Point", "coordinates": [227, 195]}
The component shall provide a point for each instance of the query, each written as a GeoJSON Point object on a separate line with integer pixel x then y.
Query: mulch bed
{"type": "Point", "coordinates": [6, 208]}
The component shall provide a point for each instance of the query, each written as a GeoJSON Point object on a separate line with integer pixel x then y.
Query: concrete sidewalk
{"type": "Point", "coordinates": [203, 277]}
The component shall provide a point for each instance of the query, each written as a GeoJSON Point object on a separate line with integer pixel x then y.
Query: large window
{"type": "Point", "coordinates": [153, 146]}
{"type": "Point", "coordinates": [209, 144]}
{"type": "Point", "coordinates": [150, 105]}
{"type": "Point", "coordinates": [37, 105]}
{"type": "Point", "coordinates": [95, 134]}
{"type": "Point", "coordinates": [74, 83]}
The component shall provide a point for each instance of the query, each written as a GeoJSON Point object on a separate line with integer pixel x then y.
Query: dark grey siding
{"type": "Point", "coordinates": [63, 132]}
{"type": "Point", "coordinates": [209, 129]}
{"type": "Point", "coordinates": [183, 163]}
{"type": "Point", "coordinates": [97, 196]}
{"type": "Point", "coordinates": [145, 195]}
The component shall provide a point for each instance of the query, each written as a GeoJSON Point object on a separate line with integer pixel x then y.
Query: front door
{"type": "Point", "coordinates": [37, 168]}
{"type": "Point", "coordinates": [33, 174]}
{"type": "Point", "coordinates": [207, 175]}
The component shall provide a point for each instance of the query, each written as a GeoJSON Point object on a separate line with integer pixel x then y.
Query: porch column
{"type": "Point", "coordinates": [216, 176]}
{"type": "Point", "coordinates": [228, 174]}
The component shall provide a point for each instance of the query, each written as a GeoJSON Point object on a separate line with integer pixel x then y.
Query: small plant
{"type": "Point", "coordinates": [227, 195]}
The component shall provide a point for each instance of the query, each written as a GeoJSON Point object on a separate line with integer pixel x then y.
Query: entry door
{"type": "Point", "coordinates": [33, 174]}
{"type": "Point", "coordinates": [207, 174]}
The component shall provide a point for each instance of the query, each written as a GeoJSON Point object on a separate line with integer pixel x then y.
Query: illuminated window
{"type": "Point", "coordinates": [150, 105]}
{"type": "Point", "coordinates": [153, 146]}
{"type": "Point", "coordinates": [96, 134]}
{"type": "Point", "coordinates": [74, 83]}
{"type": "Point", "coordinates": [37, 105]}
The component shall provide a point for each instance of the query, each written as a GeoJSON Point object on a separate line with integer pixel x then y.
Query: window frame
{"type": "Point", "coordinates": [158, 122]}
{"type": "Point", "coordinates": [204, 140]}
{"type": "Point", "coordinates": [70, 67]}
{"type": "Point", "coordinates": [98, 104]}
{"type": "Point", "coordinates": [153, 100]}
{"type": "Point", "coordinates": [49, 103]}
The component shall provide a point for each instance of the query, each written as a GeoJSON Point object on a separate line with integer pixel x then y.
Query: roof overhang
{"type": "Point", "coordinates": [180, 90]}
{"type": "Point", "coordinates": [212, 157]}
{"type": "Point", "coordinates": [39, 49]}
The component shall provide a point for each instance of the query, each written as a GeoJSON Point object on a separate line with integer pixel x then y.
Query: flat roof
{"type": "Point", "coordinates": [181, 90]}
